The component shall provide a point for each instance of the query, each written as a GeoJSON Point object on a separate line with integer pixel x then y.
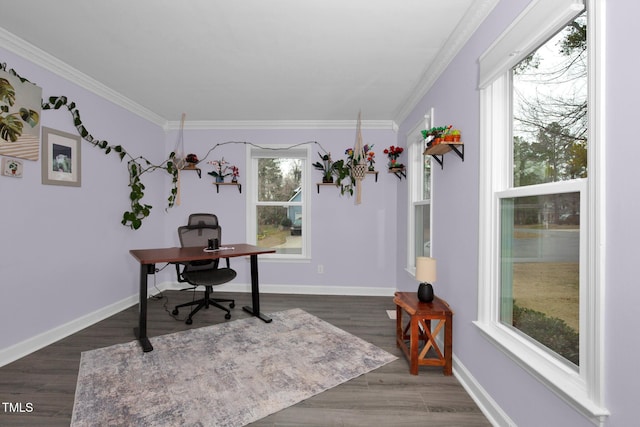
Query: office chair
{"type": "Point", "coordinates": [207, 273]}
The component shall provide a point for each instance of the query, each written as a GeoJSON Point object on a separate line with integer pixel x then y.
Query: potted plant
{"type": "Point", "coordinates": [455, 133]}
{"type": "Point", "coordinates": [220, 169]}
{"type": "Point", "coordinates": [235, 173]}
{"type": "Point", "coordinates": [326, 166]}
{"type": "Point", "coordinates": [434, 135]}
{"type": "Point", "coordinates": [393, 153]}
{"type": "Point", "coordinates": [371, 160]}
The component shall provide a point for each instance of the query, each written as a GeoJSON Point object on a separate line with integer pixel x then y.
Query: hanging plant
{"type": "Point", "coordinates": [136, 166]}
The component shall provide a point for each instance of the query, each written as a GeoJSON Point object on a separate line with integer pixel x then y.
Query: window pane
{"type": "Point", "coordinates": [426, 180]}
{"type": "Point", "coordinates": [550, 109]}
{"type": "Point", "coordinates": [280, 228]}
{"type": "Point", "coordinates": [278, 179]}
{"type": "Point", "coordinates": [540, 250]}
{"type": "Point", "coordinates": [423, 230]}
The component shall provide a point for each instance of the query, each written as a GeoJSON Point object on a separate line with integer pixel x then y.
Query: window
{"type": "Point", "coordinates": [419, 169]}
{"type": "Point", "coordinates": [539, 262]}
{"type": "Point", "coordinates": [277, 200]}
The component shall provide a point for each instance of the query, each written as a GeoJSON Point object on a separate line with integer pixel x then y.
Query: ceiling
{"type": "Point", "coordinates": [247, 60]}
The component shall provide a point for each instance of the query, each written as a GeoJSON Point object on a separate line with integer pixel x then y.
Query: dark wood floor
{"type": "Point", "coordinates": [389, 396]}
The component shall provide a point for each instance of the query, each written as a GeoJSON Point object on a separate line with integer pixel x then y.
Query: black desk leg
{"type": "Point", "coordinates": [255, 292]}
{"type": "Point", "coordinates": [141, 331]}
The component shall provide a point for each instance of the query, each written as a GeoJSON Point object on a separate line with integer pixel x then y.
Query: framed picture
{"type": "Point", "coordinates": [20, 106]}
{"type": "Point", "coordinates": [60, 158]}
{"type": "Point", "coordinates": [12, 167]}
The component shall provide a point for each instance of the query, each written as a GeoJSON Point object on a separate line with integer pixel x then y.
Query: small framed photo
{"type": "Point", "coordinates": [11, 167]}
{"type": "Point", "coordinates": [60, 158]}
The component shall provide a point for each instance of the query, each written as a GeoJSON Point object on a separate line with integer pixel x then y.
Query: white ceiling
{"type": "Point", "coordinates": [247, 60]}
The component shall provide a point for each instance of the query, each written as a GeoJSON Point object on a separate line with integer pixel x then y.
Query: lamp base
{"type": "Point", "coordinates": [425, 292]}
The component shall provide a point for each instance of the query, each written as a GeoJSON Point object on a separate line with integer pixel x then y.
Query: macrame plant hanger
{"type": "Point", "coordinates": [359, 166]}
{"type": "Point", "coordinates": [179, 158]}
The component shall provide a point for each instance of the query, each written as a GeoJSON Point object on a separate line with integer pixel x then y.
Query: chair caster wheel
{"type": "Point", "coordinates": [175, 311]}
{"type": "Point", "coordinates": [227, 316]}
{"type": "Point", "coordinates": [188, 321]}
{"type": "Point", "coordinates": [232, 305]}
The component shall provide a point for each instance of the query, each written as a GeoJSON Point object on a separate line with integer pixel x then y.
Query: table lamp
{"type": "Point", "coordinates": [425, 273]}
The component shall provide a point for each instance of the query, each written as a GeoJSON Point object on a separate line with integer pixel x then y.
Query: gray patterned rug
{"type": "Point", "coordinates": [229, 374]}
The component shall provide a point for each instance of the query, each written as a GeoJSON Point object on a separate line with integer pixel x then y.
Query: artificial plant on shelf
{"type": "Point", "coordinates": [344, 178]}
{"type": "Point", "coordinates": [371, 160]}
{"type": "Point", "coordinates": [221, 169]}
{"type": "Point", "coordinates": [435, 134]}
{"type": "Point", "coordinates": [393, 153]}
{"type": "Point", "coordinates": [235, 173]}
{"type": "Point", "coordinates": [327, 166]}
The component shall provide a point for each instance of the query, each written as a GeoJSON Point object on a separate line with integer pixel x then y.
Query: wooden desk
{"type": "Point", "coordinates": [418, 330]}
{"type": "Point", "coordinates": [149, 257]}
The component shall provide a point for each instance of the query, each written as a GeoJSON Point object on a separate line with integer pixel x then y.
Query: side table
{"type": "Point", "coordinates": [419, 334]}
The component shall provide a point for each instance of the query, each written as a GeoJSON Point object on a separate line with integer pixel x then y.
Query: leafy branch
{"type": "Point", "coordinates": [137, 166]}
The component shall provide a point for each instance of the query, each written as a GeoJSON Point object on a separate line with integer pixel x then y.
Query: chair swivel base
{"type": "Point", "coordinates": [205, 302]}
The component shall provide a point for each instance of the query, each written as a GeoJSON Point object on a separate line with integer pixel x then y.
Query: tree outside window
{"type": "Point", "coordinates": [540, 213]}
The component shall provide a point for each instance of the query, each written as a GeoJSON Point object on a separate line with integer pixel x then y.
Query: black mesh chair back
{"type": "Point", "coordinates": [208, 273]}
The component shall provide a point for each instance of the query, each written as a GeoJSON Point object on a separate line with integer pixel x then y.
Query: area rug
{"type": "Point", "coordinates": [229, 374]}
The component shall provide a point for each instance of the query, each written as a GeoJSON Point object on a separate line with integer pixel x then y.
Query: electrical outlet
{"type": "Point", "coordinates": [320, 268]}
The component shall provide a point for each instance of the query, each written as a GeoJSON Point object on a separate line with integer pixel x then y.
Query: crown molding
{"type": "Point", "coordinates": [283, 124]}
{"type": "Point", "coordinates": [469, 23]}
{"type": "Point", "coordinates": [49, 62]}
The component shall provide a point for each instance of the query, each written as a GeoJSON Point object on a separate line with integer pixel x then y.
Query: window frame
{"type": "Point", "coordinates": [253, 153]}
{"type": "Point", "coordinates": [583, 387]}
{"type": "Point", "coordinates": [415, 165]}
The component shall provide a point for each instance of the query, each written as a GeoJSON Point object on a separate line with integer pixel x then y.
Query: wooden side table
{"type": "Point", "coordinates": [420, 335]}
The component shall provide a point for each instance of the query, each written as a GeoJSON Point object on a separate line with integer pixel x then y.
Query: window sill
{"type": "Point", "coordinates": [268, 258]}
{"type": "Point", "coordinates": [560, 377]}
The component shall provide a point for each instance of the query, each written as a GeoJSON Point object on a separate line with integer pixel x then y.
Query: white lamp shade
{"type": "Point", "coordinates": [425, 269]}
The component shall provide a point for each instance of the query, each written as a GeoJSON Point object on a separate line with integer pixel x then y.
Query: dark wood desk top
{"type": "Point", "coordinates": [411, 304]}
{"type": "Point", "coordinates": [152, 256]}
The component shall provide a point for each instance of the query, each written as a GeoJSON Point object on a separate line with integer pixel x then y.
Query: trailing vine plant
{"type": "Point", "coordinates": [137, 166]}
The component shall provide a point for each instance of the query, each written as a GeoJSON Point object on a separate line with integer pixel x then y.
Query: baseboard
{"type": "Point", "coordinates": [294, 289]}
{"type": "Point", "coordinates": [44, 339]}
{"type": "Point", "coordinates": [487, 405]}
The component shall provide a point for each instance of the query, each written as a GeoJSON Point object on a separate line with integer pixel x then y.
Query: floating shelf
{"type": "Point", "coordinates": [318, 184]}
{"type": "Point", "coordinates": [325, 183]}
{"type": "Point", "coordinates": [439, 150]}
{"type": "Point", "coordinates": [237, 184]}
{"type": "Point", "coordinates": [399, 172]}
{"type": "Point", "coordinates": [192, 167]}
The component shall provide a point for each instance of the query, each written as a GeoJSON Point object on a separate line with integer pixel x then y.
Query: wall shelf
{"type": "Point", "coordinates": [439, 150]}
{"type": "Point", "coordinates": [237, 184]}
{"type": "Point", "coordinates": [318, 184]}
{"type": "Point", "coordinates": [399, 172]}
{"type": "Point", "coordinates": [192, 167]}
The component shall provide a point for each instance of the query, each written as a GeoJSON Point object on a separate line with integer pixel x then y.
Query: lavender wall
{"type": "Point", "coordinates": [69, 257]}
{"type": "Point", "coordinates": [64, 253]}
{"type": "Point", "coordinates": [623, 204]}
{"type": "Point", "coordinates": [455, 196]}
{"type": "Point", "coordinates": [354, 243]}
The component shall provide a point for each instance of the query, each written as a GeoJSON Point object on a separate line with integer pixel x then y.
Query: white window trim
{"type": "Point", "coordinates": [252, 179]}
{"type": "Point", "coordinates": [415, 156]}
{"type": "Point", "coordinates": [582, 388]}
